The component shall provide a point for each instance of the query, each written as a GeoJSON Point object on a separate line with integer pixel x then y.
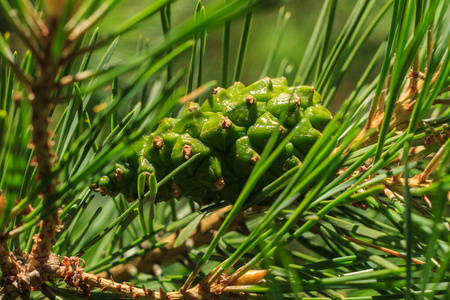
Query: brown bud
{"type": "Point", "coordinates": [157, 142]}
{"type": "Point", "coordinates": [226, 123]}
{"type": "Point", "coordinates": [220, 184]}
{"type": "Point", "coordinates": [176, 190]}
{"type": "Point", "coordinates": [193, 107]}
{"type": "Point", "coordinates": [94, 187]}
{"type": "Point", "coordinates": [187, 151]}
{"type": "Point", "coordinates": [250, 99]}
{"type": "Point", "coordinates": [217, 89]}
{"type": "Point", "coordinates": [119, 174]}
{"type": "Point", "coordinates": [103, 190]}
{"type": "Point", "coordinates": [255, 158]}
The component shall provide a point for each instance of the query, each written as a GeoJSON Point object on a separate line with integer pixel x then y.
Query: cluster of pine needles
{"type": "Point", "coordinates": [365, 216]}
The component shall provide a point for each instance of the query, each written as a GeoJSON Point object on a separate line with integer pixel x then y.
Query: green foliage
{"type": "Point", "coordinates": [364, 216]}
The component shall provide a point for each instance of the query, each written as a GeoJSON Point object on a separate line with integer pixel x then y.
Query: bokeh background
{"type": "Point", "coordinates": [300, 26]}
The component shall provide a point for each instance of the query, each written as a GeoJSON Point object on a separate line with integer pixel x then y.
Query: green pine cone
{"type": "Point", "coordinates": [229, 131]}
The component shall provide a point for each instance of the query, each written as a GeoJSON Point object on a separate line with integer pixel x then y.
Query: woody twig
{"type": "Point", "coordinates": [72, 273]}
{"type": "Point", "coordinates": [169, 253]}
{"type": "Point", "coordinates": [21, 276]}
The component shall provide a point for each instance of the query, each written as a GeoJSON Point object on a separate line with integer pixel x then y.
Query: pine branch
{"type": "Point", "coordinates": [169, 253]}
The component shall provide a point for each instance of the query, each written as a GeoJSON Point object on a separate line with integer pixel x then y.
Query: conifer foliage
{"type": "Point", "coordinates": [239, 191]}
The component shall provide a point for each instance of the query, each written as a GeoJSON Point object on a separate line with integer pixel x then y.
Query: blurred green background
{"type": "Point", "coordinates": [300, 26]}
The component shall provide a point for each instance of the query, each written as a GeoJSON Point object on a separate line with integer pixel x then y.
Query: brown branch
{"type": "Point", "coordinates": [70, 270]}
{"type": "Point", "coordinates": [167, 254]}
{"type": "Point", "coordinates": [21, 275]}
{"type": "Point", "coordinates": [45, 239]}
{"type": "Point", "coordinates": [42, 101]}
{"type": "Point", "coordinates": [87, 281]}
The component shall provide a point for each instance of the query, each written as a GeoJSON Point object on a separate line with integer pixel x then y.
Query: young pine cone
{"type": "Point", "coordinates": [229, 132]}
